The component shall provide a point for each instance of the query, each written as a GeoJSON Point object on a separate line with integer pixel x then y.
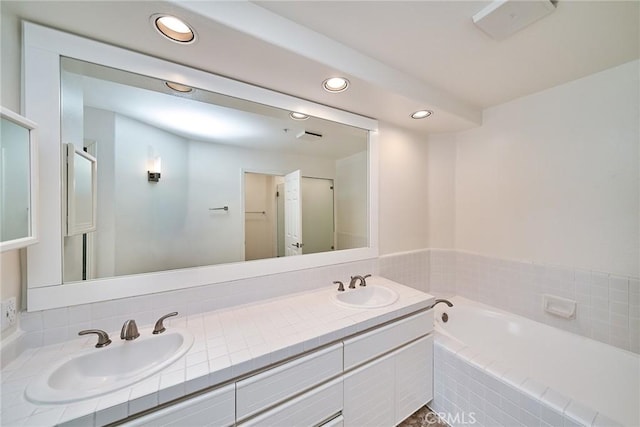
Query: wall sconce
{"type": "Point", "coordinates": [155, 167]}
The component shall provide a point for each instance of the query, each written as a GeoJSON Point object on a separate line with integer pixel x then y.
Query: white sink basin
{"type": "Point", "coordinates": [370, 296]}
{"type": "Point", "coordinates": [103, 370]}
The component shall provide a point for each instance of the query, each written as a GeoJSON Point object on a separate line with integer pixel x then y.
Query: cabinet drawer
{"type": "Point", "coordinates": [215, 408]}
{"type": "Point", "coordinates": [372, 344]}
{"type": "Point", "coordinates": [268, 388]}
{"type": "Point", "coordinates": [309, 409]}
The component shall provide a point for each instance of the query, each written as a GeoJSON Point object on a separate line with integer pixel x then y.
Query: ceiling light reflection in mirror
{"type": "Point", "coordinates": [204, 210]}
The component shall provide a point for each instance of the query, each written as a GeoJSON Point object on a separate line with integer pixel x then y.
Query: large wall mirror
{"type": "Point", "coordinates": [185, 178]}
{"type": "Point", "coordinates": [18, 181]}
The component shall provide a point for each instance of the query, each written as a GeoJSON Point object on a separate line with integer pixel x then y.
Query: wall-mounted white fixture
{"type": "Point", "coordinates": [502, 18]}
{"type": "Point", "coordinates": [179, 87]}
{"type": "Point", "coordinates": [421, 114]}
{"type": "Point", "coordinates": [173, 28]}
{"type": "Point", "coordinates": [306, 135]}
{"type": "Point", "coordinates": [335, 84]}
{"type": "Point", "coordinates": [298, 116]}
{"type": "Point", "coordinates": [155, 167]}
{"type": "Point", "coordinates": [558, 306]}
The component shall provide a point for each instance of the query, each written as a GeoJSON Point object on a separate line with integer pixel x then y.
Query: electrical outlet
{"type": "Point", "coordinates": [8, 312]}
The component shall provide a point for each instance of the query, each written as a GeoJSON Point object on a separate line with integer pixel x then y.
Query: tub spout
{"type": "Point", "coordinates": [438, 301]}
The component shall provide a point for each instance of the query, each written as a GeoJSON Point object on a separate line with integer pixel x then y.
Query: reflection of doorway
{"type": "Point", "coordinates": [264, 232]}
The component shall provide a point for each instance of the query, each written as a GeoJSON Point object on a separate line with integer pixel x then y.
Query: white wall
{"type": "Point", "coordinates": [351, 201]}
{"type": "Point", "coordinates": [10, 40]}
{"type": "Point", "coordinates": [441, 192]}
{"type": "Point", "coordinates": [403, 199]}
{"type": "Point", "coordinates": [553, 177]}
{"type": "Point", "coordinates": [99, 126]}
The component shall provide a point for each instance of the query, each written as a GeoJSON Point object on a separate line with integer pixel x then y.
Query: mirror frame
{"type": "Point", "coordinates": [33, 182]}
{"type": "Point", "coordinates": [42, 50]}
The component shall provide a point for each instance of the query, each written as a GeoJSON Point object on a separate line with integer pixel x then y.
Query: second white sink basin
{"type": "Point", "coordinates": [103, 370]}
{"type": "Point", "coordinates": [370, 296]}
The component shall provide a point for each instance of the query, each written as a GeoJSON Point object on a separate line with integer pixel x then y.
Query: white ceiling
{"type": "Point", "coordinates": [437, 42]}
{"type": "Point", "coordinates": [400, 56]}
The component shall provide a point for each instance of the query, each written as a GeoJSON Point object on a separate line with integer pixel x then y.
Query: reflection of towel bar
{"type": "Point", "coordinates": [224, 208]}
{"type": "Point", "coordinates": [257, 212]}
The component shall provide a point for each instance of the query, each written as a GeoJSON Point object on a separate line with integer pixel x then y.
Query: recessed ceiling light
{"type": "Point", "coordinates": [336, 84]}
{"type": "Point", "coordinates": [298, 116]}
{"type": "Point", "coordinates": [175, 29]}
{"type": "Point", "coordinates": [179, 87]}
{"type": "Point", "coordinates": [421, 114]}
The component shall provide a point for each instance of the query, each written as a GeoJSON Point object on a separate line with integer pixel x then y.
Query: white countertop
{"type": "Point", "coordinates": [228, 343]}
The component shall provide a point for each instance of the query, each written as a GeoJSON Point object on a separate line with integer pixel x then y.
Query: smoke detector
{"type": "Point", "coordinates": [306, 135]}
{"type": "Point", "coordinates": [503, 18]}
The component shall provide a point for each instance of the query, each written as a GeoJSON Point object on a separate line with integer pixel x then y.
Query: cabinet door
{"type": "Point", "coordinates": [215, 408]}
{"type": "Point", "coordinates": [369, 394]}
{"type": "Point", "coordinates": [308, 409]}
{"type": "Point", "coordinates": [414, 377]}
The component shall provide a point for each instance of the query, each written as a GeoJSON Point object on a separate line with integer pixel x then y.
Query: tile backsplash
{"type": "Point", "coordinates": [608, 305]}
{"type": "Point", "coordinates": [61, 324]}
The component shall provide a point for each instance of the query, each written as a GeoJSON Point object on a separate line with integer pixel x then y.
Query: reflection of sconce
{"type": "Point", "coordinates": [155, 169]}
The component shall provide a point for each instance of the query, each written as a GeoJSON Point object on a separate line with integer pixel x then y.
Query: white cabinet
{"type": "Point", "coordinates": [413, 377]}
{"type": "Point", "coordinates": [377, 378]}
{"type": "Point", "coordinates": [276, 385]}
{"type": "Point", "coordinates": [369, 393]}
{"type": "Point", "coordinates": [398, 377]}
{"type": "Point", "coordinates": [382, 340]}
{"type": "Point", "coordinates": [215, 408]}
{"type": "Point", "coordinates": [309, 409]}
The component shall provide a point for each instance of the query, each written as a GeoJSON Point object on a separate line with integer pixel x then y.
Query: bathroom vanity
{"type": "Point", "coordinates": [295, 360]}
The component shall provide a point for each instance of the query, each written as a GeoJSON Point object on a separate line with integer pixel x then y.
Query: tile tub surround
{"type": "Point", "coordinates": [468, 386]}
{"type": "Point", "coordinates": [228, 343]}
{"type": "Point", "coordinates": [608, 305]}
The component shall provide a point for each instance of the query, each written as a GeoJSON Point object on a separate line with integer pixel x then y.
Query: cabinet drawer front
{"type": "Point", "coordinates": [266, 389]}
{"type": "Point", "coordinates": [215, 408]}
{"type": "Point", "coordinates": [372, 344]}
{"type": "Point", "coordinates": [309, 409]}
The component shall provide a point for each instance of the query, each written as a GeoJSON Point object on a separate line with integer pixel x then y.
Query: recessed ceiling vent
{"type": "Point", "coordinates": [306, 135]}
{"type": "Point", "coordinates": [503, 18]}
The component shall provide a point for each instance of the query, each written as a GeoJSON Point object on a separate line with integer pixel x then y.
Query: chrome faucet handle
{"type": "Point", "coordinates": [129, 330]}
{"type": "Point", "coordinates": [103, 337]}
{"type": "Point", "coordinates": [340, 285]}
{"type": "Point", "coordinates": [159, 327]}
{"type": "Point", "coordinates": [363, 282]}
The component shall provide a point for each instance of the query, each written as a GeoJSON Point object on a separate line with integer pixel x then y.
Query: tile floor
{"type": "Point", "coordinates": [423, 417]}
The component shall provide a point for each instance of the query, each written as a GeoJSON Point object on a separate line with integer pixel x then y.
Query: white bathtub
{"type": "Point", "coordinates": [591, 376]}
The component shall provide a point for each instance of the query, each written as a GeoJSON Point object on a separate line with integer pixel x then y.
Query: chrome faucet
{"type": "Point", "coordinates": [362, 279]}
{"type": "Point", "coordinates": [159, 327]}
{"type": "Point", "coordinates": [103, 337]}
{"type": "Point", "coordinates": [129, 330]}
{"type": "Point", "coordinates": [438, 301]}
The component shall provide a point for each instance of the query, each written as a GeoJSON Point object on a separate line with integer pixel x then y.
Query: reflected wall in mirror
{"type": "Point", "coordinates": [219, 195]}
{"type": "Point", "coordinates": [17, 171]}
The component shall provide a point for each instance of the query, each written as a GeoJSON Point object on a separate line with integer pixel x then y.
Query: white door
{"type": "Point", "coordinates": [292, 214]}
